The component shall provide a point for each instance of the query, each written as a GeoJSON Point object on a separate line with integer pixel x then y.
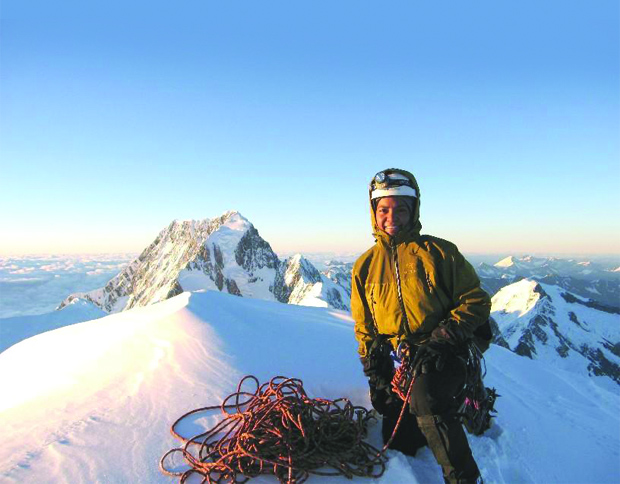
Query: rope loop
{"type": "Point", "coordinates": [277, 430]}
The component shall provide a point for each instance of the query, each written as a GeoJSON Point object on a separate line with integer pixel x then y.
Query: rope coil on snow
{"type": "Point", "coordinates": [278, 430]}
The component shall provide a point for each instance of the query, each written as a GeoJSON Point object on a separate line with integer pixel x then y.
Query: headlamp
{"type": "Point", "coordinates": [386, 183]}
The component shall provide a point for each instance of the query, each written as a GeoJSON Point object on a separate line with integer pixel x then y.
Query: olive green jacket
{"type": "Point", "coordinates": [405, 285]}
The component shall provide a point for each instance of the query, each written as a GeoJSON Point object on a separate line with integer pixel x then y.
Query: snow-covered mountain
{"type": "Point", "coordinates": [340, 273]}
{"type": "Point", "coordinates": [585, 278]}
{"type": "Point", "coordinates": [224, 253]}
{"type": "Point", "coordinates": [306, 286]}
{"type": "Point", "coordinates": [94, 402]}
{"type": "Point", "coordinates": [549, 324]}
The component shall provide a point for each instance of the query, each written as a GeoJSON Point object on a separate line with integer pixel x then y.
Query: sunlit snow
{"type": "Point", "coordinates": [93, 402]}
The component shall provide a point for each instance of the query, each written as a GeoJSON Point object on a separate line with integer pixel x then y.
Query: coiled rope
{"type": "Point", "coordinates": [278, 430]}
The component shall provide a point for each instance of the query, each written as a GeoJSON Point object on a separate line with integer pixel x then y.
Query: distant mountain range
{"type": "Point", "coordinates": [584, 278]}
{"type": "Point", "coordinates": [225, 253]}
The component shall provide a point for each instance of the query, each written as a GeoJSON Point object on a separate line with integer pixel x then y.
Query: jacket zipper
{"type": "Point", "coordinates": [405, 323]}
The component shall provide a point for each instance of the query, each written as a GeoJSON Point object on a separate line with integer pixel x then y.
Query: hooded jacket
{"type": "Point", "coordinates": [406, 284]}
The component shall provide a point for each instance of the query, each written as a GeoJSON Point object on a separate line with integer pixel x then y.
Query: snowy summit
{"type": "Point", "coordinates": [225, 253]}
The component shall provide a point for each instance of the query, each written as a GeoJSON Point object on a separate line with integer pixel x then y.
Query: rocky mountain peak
{"type": "Point", "coordinates": [519, 298]}
{"type": "Point", "coordinates": [299, 282]}
{"type": "Point", "coordinates": [224, 253]}
{"type": "Point", "coordinates": [298, 267]}
{"type": "Point", "coordinates": [542, 321]}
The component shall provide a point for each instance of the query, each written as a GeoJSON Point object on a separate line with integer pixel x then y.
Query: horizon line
{"type": "Point", "coordinates": [503, 253]}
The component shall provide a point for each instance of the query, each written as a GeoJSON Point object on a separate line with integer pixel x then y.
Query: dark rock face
{"type": "Point", "coordinates": [534, 333]}
{"type": "Point", "coordinates": [253, 252]}
{"type": "Point", "coordinates": [175, 291]}
{"type": "Point", "coordinates": [539, 290]}
{"type": "Point", "coordinates": [231, 287]}
{"type": "Point", "coordinates": [590, 304]}
{"type": "Point", "coordinates": [335, 300]}
{"type": "Point", "coordinates": [279, 289]}
{"type": "Point", "coordinates": [612, 348]}
{"type": "Point", "coordinates": [498, 338]}
{"type": "Point", "coordinates": [525, 346]}
{"type": "Point", "coordinates": [600, 365]}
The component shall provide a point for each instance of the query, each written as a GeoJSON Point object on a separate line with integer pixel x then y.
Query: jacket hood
{"type": "Point", "coordinates": [412, 231]}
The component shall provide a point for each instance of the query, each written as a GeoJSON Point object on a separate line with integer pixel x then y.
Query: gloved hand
{"type": "Point", "coordinates": [384, 401]}
{"type": "Point", "coordinates": [443, 342]}
{"type": "Point", "coordinates": [431, 356]}
{"type": "Point", "coordinates": [379, 368]}
{"type": "Point", "coordinates": [449, 331]}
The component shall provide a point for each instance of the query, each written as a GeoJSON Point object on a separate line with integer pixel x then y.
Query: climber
{"type": "Point", "coordinates": [419, 290]}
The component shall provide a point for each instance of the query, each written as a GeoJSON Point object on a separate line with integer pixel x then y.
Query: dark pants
{"type": "Point", "coordinates": [433, 421]}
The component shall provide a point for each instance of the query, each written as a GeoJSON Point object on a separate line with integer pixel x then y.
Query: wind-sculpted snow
{"type": "Point", "coordinates": [13, 330]}
{"type": "Point", "coordinates": [225, 253]}
{"type": "Point", "coordinates": [94, 402]}
{"type": "Point", "coordinates": [546, 323]}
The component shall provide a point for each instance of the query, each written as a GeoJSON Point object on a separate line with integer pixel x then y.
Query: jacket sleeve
{"type": "Point", "coordinates": [364, 324]}
{"type": "Point", "coordinates": [472, 305]}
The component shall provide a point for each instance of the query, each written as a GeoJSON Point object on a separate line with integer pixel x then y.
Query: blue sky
{"type": "Point", "coordinates": [116, 119]}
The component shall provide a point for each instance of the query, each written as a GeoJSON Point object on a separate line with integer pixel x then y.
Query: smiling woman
{"type": "Point", "coordinates": [393, 214]}
{"type": "Point", "coordinates": [417, 292]}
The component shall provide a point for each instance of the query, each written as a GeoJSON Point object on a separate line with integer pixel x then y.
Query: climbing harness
{"type": "Point", "coordinates": [477, 402]}
{"type": "Point", "coordinates": [403, 377]}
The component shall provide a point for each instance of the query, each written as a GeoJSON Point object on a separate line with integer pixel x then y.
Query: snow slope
{"type": "Point", "coordinates": [13, 330]}
{"type": "Point", "coordinates": [547, 323]}
{"type": "Point", "coordinates": [93, 402]}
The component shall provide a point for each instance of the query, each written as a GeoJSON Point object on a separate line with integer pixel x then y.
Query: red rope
{"type": "Point", "coordinates": [278, 430]}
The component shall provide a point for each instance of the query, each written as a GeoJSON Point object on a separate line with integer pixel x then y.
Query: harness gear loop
{"type": "Point", "coordinates": [403, 377]}
{"type": "Point", "coordinates": [476, 403]}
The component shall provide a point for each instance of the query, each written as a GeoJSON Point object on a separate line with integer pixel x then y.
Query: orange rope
{"type": "Point", "coordinates": [278, 430]}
